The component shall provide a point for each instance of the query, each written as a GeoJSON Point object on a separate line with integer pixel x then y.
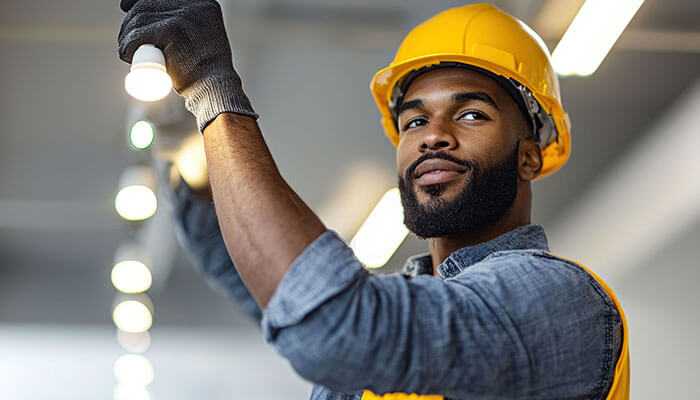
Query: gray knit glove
{"type": "Point", "coordinates": [193, 39]}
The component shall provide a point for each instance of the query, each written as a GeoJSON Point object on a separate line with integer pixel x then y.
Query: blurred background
{"type": "Point", "coordinates": [627, 204]}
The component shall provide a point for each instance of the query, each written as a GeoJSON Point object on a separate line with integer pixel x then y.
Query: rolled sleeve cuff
{"type": "Point", "coordinates": [325, 268]}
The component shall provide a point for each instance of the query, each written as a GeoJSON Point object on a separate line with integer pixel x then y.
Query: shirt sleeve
{"type": "Point", "coordinates": [197, 230]}
{"type": "Point", "coordinates": [346, 329]}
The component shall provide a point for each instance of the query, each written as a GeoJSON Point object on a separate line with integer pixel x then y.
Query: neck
{"type": "Point", "coordinates": [517, 215]}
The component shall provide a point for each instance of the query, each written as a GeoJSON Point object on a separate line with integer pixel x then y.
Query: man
{"type": "Point", "coordinates": [473, 106]}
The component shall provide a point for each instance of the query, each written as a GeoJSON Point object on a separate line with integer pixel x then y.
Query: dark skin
{"type": "Point", "coordinates": [264, 223]}
{"type": "Point", "coordinates": [469, 116]}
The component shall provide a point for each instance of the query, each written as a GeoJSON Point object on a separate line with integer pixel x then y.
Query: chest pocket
{"type": "Point", "coordinates": [369, 395]}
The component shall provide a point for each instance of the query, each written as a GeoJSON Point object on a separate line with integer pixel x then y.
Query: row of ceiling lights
{"type": "Point", "coordinates": [136, 202]}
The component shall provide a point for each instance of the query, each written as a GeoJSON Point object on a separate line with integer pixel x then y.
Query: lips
{"type": "Point", "coordinates": [435, 164]}
{"type": "Point", "coordinates": [437, 170]}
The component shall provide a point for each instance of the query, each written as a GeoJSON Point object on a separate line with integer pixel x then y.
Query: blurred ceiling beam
{"type": "Point", "coordinates": [370, 36]}
{"type": "Point", "coordinates": [660, 41]}
{"type": "Point", "coordinates": [638, 208]}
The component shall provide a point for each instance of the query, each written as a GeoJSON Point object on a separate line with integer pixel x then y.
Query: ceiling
{"type": "Point", "coordinates": [306, 65]}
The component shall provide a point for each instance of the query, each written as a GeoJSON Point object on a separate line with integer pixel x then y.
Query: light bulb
{"type": "Point", "coordinates": [131, 276]}
{"type": "Point", "coordinates": [141, 135]}
{"type": "Point", "coordinates": [132, 316]}
{"type": "Point", "coordinates": [148, 80]}
{"type": "Point", "coordinates": [133, 370]}
{"type": "Point", "coordinates": [136, 203]}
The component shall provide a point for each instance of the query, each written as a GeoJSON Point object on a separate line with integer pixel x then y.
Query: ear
{"type": "Point", "coordinates": [529, 159]}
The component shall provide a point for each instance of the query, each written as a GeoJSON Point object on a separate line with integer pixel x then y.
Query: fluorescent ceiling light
{"type": "Point", "coordinates": [382, 232]}
{"type": "Point", "coordinates": [592, 34]}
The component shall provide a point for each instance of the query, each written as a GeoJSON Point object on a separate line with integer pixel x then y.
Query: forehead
{"type": "Point", "coordinates": [453, 80]}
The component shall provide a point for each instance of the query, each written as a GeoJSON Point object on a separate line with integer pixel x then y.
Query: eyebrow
{"type": "Point", "coordinates": [478, 96]}
{"type": "Point", "coordinates": [457, 98]}
{"type": "Point", "coordinates": [409, 105]}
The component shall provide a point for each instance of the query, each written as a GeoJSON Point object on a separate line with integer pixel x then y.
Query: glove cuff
{"type": "Point", "coordinates": [212, 96]}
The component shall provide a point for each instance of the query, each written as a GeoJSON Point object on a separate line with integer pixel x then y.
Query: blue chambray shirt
{"type": "Point", "coordinates": [504, 319]}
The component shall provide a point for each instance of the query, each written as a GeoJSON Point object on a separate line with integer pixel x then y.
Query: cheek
{"type": "Point", "coordinates": [488, 141]}
{"type": "Point", "coordinates": [402, 157]}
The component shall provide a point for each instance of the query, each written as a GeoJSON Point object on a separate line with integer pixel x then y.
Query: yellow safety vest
{"type": "Point", "coordinates": [620, 389]}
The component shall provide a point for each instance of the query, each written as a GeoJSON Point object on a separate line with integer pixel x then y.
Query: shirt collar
{"type": "Point", "coordinates": [528, 236]}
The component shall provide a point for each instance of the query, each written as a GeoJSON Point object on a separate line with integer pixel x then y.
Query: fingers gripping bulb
{"type": "Point", "coordinates": [148, 80]}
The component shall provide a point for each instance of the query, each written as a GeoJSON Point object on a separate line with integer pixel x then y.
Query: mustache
{"type": "Point", "coordinates": [408, 175]}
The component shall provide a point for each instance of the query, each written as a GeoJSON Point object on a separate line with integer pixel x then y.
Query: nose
{"type": "Point", "coordinates": [437, 137]}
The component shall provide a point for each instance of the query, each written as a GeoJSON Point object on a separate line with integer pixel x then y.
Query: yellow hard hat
{"type": "Point", "coordinates": [482, 36]}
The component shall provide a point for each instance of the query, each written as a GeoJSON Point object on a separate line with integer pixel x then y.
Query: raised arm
{"type": "Point", "coordinates": [265, 225]}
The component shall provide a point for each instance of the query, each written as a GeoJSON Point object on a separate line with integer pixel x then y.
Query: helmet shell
{"type": "Point", "coordinates": [486, 37]}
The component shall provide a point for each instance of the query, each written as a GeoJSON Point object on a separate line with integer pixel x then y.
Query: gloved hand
{"type": "Point", "coordinates": [198, 58]}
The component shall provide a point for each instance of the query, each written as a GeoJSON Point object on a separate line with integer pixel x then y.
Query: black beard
{"type": "Point", "coordinates": [483, 201]}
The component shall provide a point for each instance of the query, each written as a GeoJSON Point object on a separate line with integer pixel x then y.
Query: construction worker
{"type": "Point", "coordinates": [473, 107]}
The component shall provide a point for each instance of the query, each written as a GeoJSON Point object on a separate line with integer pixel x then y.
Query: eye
{"type": "Point", "coordinates": [473, 116]}
{"type": "Point", "coordinates": [414, 123]}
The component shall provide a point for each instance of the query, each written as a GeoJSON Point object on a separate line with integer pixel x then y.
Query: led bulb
{"type": "Point", "coordinates": [131, 276]}
{"type": "Point", "coordinates": [133, 370]}
{"type": "Point", "coordinates": [148, 80]}
{"type": "Point", "coordinates": [141, 135]}
{"type": "Point", "coordinates": [136, 203]}
{"type": "Point", "coordinates": [132, 316]}
{"type": "Point", "coordinates": [136, 199]}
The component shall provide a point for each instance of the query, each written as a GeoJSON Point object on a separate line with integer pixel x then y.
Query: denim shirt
{"type": "Point", "coordinates": [503, 319]}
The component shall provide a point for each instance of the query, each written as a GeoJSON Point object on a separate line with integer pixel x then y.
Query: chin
{"type": "Point", "coordinates": [443, 191]}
